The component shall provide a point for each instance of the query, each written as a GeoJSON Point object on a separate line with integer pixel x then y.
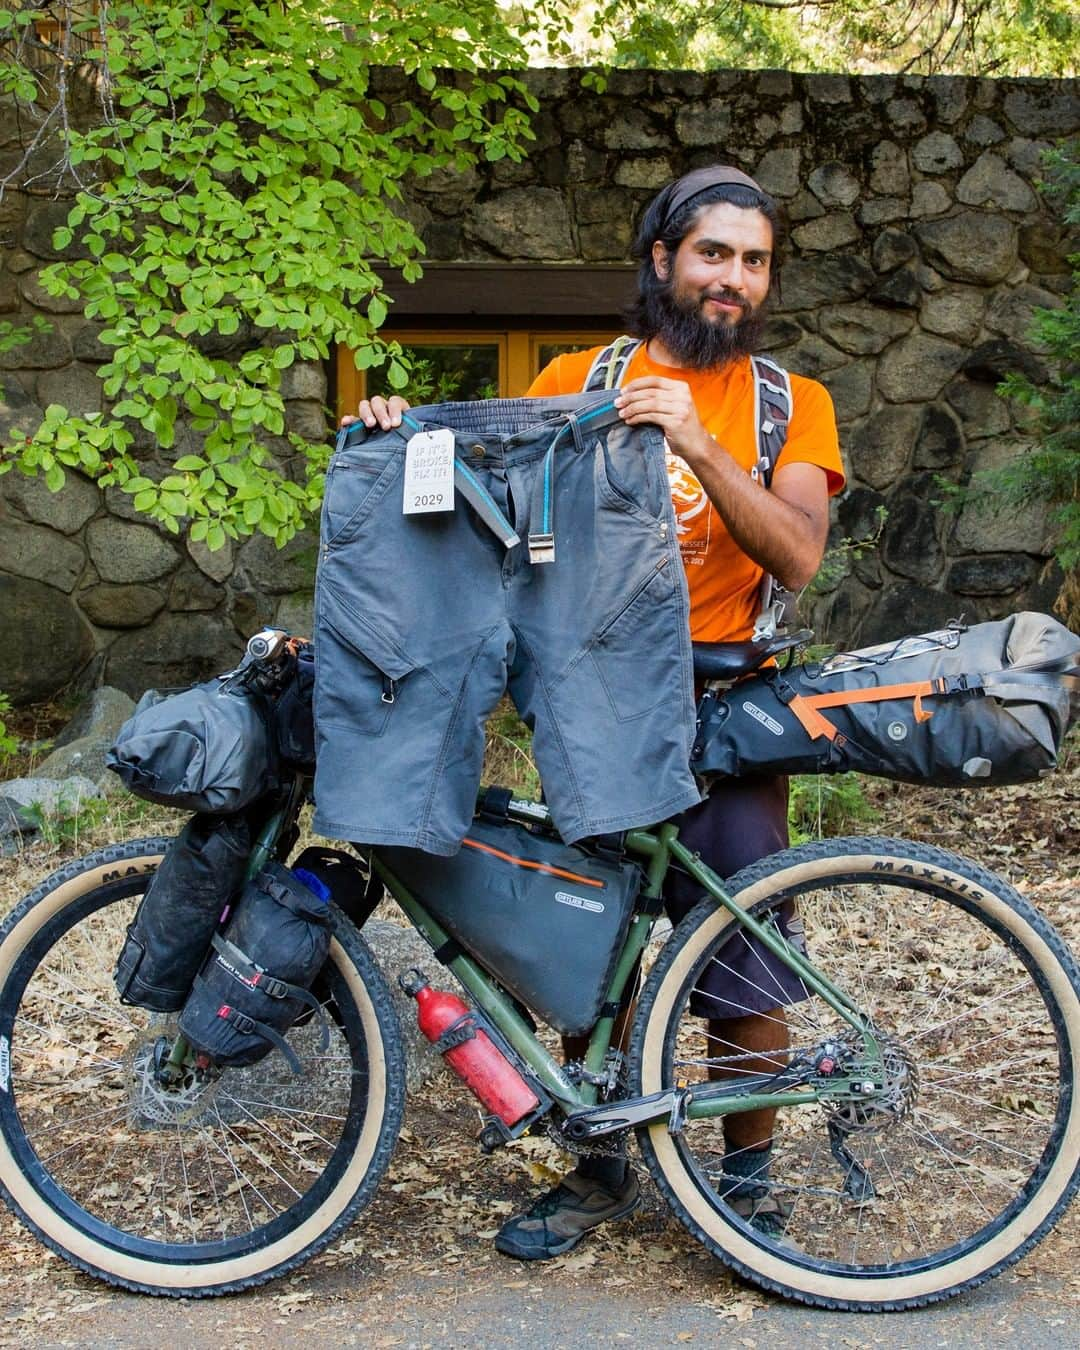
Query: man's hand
{"type": "Point", "coordinates": [669, 405]}
{"type": "Point", "coordinates": [378, 411]}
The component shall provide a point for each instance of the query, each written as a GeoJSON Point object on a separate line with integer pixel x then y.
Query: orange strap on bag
{"type": "Point", "coordinates": [815, 725]}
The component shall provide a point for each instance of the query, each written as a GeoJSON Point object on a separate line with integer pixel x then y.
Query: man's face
{"type": "Point", "coordinates": [716, 284]}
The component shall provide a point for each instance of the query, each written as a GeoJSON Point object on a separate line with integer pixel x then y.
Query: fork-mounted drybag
{"type": "Point", "coordinates": [170, 935]}
{"type": "Point", "coordinates": [546, 919]}
{"type": "Point", "coordinates": [963, 707]}
{"type": "Point", "coordinates": [256, 979]}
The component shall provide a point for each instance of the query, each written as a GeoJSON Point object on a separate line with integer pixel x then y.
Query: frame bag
{"type": "Point", "coordinates": [963, 707]}
{"type": "Point", "coordinates": [256, 979]}
{"type": "Point", "coordinates": [547, 919]}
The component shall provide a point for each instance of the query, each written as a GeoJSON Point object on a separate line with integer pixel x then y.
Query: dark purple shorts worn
{"type": "Point", "coordinates": [741, 821]}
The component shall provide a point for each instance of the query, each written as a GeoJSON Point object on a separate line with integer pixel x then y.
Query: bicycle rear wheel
{"type": "Point", "coordinates": [972, 1155]}
{"type": "Point", "coordinates": [215, 1187]}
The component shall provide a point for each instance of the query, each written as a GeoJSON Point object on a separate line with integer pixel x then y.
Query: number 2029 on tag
{"type": "Point", "coordinates": [429, 472]}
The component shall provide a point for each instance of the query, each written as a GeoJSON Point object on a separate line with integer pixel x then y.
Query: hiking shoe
{"type": "Point", "coordinates": [562, 1217]}
{"type": "Point", "coordinates": [766, 1215]}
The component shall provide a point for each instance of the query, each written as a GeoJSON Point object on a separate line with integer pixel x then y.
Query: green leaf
{"type": "Point", "coordinates": [54, 478]}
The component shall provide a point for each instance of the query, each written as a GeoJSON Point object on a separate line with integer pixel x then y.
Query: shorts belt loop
{"type": "Point", "coordinates": [575, 431]}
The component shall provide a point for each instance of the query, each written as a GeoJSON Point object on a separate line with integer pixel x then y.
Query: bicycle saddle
{"type": "Point", "coordinates": [732, 660]}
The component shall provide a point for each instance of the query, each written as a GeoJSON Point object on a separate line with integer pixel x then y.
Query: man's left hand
{"type": "Point", "coordinates": [669, 405]}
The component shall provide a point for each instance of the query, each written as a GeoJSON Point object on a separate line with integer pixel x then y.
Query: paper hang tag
{"type": "Point", "coordinates": [429, 472]}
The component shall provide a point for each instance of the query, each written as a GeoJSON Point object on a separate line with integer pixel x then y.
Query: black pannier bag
{"type": "Point", "coordinates": [206, 749]}
{"type": "Point", "coordinates": [170, 935]}
{"type": "Point", "coordinates": [294, 723]}
{"type": "Point", "coordinates": [255, 981]}
{"type": "Point", "coordinates": [547, 919]}
{"type": "Point", "coordinates": [963, 707]}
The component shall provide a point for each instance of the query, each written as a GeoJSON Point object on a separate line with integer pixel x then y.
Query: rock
{"type": "Point", "coordinates": [1042, 108]}
{"type": "Point", "coordinates": [937, 153]}
{"type": "Point", "coordinates": [191, 590]}
{"type": "Point", "coordinates": [851, 387]}
{"type": "Point", "coordinates": [804, 206]}
{"type": "Point", "coordinates": [306, 418]}
{"type": "Point", "coordinates": [83, 758]}
{"type": "Point", "coordinates": [50, 796]}
{"type": "Point", "coordinates": [882, 445]}
{"type": "Point", "coordinates": [633, 128]}
{"type": "Point", "coordinates": [647, 174]}
{"type": "Point", "coordinates": [102, 714]}
{"type": "Point", "coordinates": [296, 613]}
{"type": "Point", "coordinates": [18, 826]}
{"type": "Point", "coordinates": [827, 233]}
{"type": "Point", "coordinates": [899, 290]}
{"type": "Point", "coordinates": [988, 524]}
{"type": "Point", "coordinates": [955, 312]}
{"type": "Point", "coordinates": [893, 248]}
{"type": "Point", "coordinates": [779, 171]}
{"type": "Point", "coordinates": [698, 124]}
{"type": "Point", "coordinates": [397, 949]}
{"type": "Point", "coordinates": [809, 282]}
{"type": "Point", "coordinates": [833, 185]}
{"type": "Point", "coordinates": [812, 356]}
{"type": "Point", "coordinates": [35, 294]}
{"type": "Point", "coordinates": [172, 651]}
{"type": "Point", "coordinates": [862, 328]}
{"type": "Point", "coordinates": [1044, 247]}
{"type": "Point", "coordinates": [121, 606]}
{"type": "Point", "coordinates": [1012, 311]}
{"type": "Point", "coordinates": [523, 223]}
{"type": "Point", "coordinates": [19, 414]}
{"type": "Point", "coordinates": [40, 553]}
{"type": "Point", "coordinates": [829, 89]}
{"type": "Point", "coordinates": [54, 644]}
{"type": "Point", "coordinates": [992, 361]}
{"type": "Point", "coordinates": [989, 182]}
{"type": "Point", "coordinates": [910, 546]}
{"type": "Point", "coordinates": [983, 131]}
{"type": "Point", "coordinates": [218, 565]}
{"type": "Point", "coordinates": [75, 387]}
{"type": "Point", "coordinates": [780, 333]}
{"type": "Point", "coordinates": [980, 407]}
{"type": "Point", "coordinates": [904, 114]}
{"type": "Point", "coordinates": [917, 368]}
{"type": "Point", "coordinates": [993, 574]}
{"type": "Point", "coordinates": [791, 119]}
{"type": "Point", "coordinates": [126, 552]}
{"type": "Point", "coordinates": [881, 211]}
{"type": "Point", "coordinates": [304, 379]}
{"type": "Point", "coordinates": [971, 246]}
{"type": "Point", "coordinates": [277, 571]}
{"type": "Point", "coordinates": [906, 609]}
{"type": "Point", "coordinates": [929, 199]}
{"type": "Point", "coordinates": [1026, 156]}
{"type": "Point", "coordinates": [940, 442]}
{"type": "Point", "coordinates": [87, 345]}
{"type": "Point", "coordinates": [67, 510]}
{"type": "Point", "coordinates": [47, 348]}
{"type": "Point", "coordinates": [889, 174]}
{"type": "Point", "coordinates": [858, 514]}
{"type": "Point", "coordinates": [950, 95]}
{"type": "Point", "coordinates": [41, 221]}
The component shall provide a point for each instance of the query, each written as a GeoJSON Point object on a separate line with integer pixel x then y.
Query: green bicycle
{"type": "Point", "coordinates": [927, 1135]}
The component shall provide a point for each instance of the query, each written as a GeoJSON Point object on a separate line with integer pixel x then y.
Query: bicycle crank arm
{"type": "Point", "coordinates": [625, 1115]}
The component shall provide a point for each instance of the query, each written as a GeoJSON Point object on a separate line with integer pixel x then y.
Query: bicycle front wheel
{"type": "Point", "coordinates": [217, 1185]}
{"type": "Point", "coordinates": [968, 1157]}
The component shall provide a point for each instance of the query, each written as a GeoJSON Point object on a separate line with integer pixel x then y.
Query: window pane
{"type": "Point", "coordinates": [444, 373]}
{"type": "Point", "coordinates": [548, 351]}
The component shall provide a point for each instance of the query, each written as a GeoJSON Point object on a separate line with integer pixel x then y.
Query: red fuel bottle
{"type": "Point", "coordinates": [451, 1026]}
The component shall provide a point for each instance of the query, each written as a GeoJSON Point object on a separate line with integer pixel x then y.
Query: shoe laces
{"type": "Point", "coordinates": [549, 1203]}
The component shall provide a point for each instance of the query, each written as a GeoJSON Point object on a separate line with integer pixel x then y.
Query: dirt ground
{"type": "Point", "coordinates": [427, 1236]}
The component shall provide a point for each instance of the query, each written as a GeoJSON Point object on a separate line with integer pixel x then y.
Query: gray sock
{"type": "Point", "coordinates": [751, 1165]}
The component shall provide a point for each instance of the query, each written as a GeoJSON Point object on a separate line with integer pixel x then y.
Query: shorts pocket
{"type": "Point", "coordinates": [360, 673]}
{"type": "Point", "coordinates": [355, 482]}
{"type": "Point", "coordinates": [628, 473]}
{"type": "Point", "coordinates": [635, 654]}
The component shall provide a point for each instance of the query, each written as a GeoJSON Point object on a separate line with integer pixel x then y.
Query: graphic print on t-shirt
{"type": "Point", "coordinates": [693, 510]}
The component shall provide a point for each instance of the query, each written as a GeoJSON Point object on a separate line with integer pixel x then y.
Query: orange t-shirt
{"type": "Point", "coordinates": [724, 583]}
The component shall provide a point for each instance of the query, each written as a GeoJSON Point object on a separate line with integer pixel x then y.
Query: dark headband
{"type": "Point", "coordinates": [692, 184]}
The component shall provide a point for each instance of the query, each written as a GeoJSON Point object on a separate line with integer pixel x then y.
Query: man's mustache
{"type": "Point", "coordinates": [728, 298]}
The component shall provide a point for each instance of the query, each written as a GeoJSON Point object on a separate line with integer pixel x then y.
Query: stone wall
{"type": "Point", "coordinates": [919, 249]}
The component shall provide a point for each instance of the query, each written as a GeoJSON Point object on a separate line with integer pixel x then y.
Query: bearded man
{"type": "Point", "coordinates": [708, 251]}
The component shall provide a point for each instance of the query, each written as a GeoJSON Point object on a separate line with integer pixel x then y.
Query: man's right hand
{"type": "Point", "coordinates": [378, 411]}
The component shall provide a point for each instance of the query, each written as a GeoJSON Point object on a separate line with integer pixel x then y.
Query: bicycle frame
{"type": "Point", "coordinates": [658, 848]}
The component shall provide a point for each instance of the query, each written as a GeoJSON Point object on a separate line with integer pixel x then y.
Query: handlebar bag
{"type": "Point", "coordinates": [256, 979]}
{"type": "Point", "coordinates": [171, 932]}
{"type": "Point", "coordinates": [963, 707]}
{"type": "Point", "coordinates": [547, 920]}
{"type": "Point", "coordinates": [206, 749]}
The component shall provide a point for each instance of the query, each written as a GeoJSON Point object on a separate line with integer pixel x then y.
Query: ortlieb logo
{"type": "Point", "coordinates": [769, 723]}
{"type": "Point", "coordinates": [579, 902]}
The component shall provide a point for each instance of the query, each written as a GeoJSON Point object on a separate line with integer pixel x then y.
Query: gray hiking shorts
{"type": "Point", "coordinates": [423, 621]}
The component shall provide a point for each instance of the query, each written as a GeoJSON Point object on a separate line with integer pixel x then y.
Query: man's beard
{"type": "Point", "coordinates": [692, 339]}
